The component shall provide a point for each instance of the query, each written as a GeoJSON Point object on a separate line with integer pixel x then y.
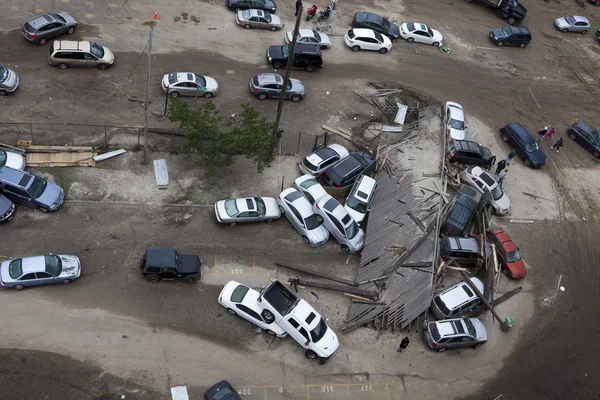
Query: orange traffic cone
{"type": "Point", "coordinates": [155, 15]}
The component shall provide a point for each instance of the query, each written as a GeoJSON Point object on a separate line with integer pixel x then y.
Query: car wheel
{"type": "Point", "coordinates": [271, 333]}
{"type": "Point", "coordinates": [273, 28]}
{"type": "Point", "coordinates": [231, 311]}
{"type": "Point", "coordinates": [271, 220]}
{"type": "Point", "coordinates": [410, 40]}
{"type": "Point", "coordinates": [383, 51]}
{"type": "Point", "coordinates": [208, 95]}
{"type": "Point", "coordinates": [19, 287]}
{"type": "Point", "coordinates": [527, 163]}
{"type": "Point", "coordinates": [232, 223]}
{"type": "Point", "coordinates": [442, 349]}
{"type": "Point", "coordinates": [596, 154]}
{"type": "Point", "coordinates": [247, 26]}
{"type": "Point", "coordinates": [305, 240]}
{"type": "Point", "coordinates": [42, 41]}
{"type": "Point", "coordinates": [71, 30]}
{"type": "Point", "coordinates": [277, 65]}
{"type": "Point", "coordinates": [583, 32]}
{"type": "Point", "coordinates": [345, 248]}
{"type": "Point", "coordinates": [572, 136]}
{"type": "Point", "coordinates": [322, 361]}
{"type": "Point", "coordinates": [505, 271]}
{"type": "Point", "coordinates": [565, 30]}
{"type": "Point", "coordinates": [191, 281]}
{"type": "Point", "coordinates": [500, 44]}
{"type": "Point", "coordinates": [505, 138]}
{"type": "Point", "coordinates": [309, 68]}
{"type": "Point", "coordinates": [153, 278]}
{"type": "Point", "coordinates": [44, 210]}
{"type": "Point", "coordinates": [477, 345]}
{"type": "Point", "coordinates": [174, 94]}
{"type": "Point", "coordinates": [522, 45]}
{"type": "Point", "coordinates": [323, 47]}
{"type": "Point", "coordinates": [281, 210]}
{"type": "Point", "coordinates": [262, 96]}
{"type": "Point", "coordinates": [355, 48]}
{"type": "Point", "coordinates": [63, 66]}
{"type": "Point", "coordinates": [311, 355]}
{"type": "Point", "coordinates": [102, 67]}
{"type": "Point", "coordinates": [66, 281]}
{"type": "Point", "coordinates": [511, 21]}
{"type": "Point", "coordinates": [436, 44]}
{"type": "Point", "coordinates": [296, 98]}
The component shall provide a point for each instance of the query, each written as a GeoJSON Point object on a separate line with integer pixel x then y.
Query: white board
{"type": "Point", "coordinates": [161, 174]}
{"type": "Point", "coordinates": [179, 393]}
{"type": "Point", "coordinates": [401, 114]}
{"type": "Point", "coordinates": [110, 154]}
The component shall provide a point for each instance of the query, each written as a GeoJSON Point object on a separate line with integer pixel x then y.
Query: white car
{"type": "Point", "coordinates": [320, 160]}
{"type": "Point", "coordinates": [341, 225]}
{"type": "Point", "coordinates": [189, 84]}
{"type": "Point", "coordinates": [300, 213]}
{"type": "Point", "coordinates": [248, 209]}
{"type": "Point", "coordinates": [420, 33]}
{"type": "Point", "coordinates": [241, 300]}
{"type": "Point", "coordinates": [310, 36]}
{"type": "Point", "coordinates": [12, 160]}
{"type": "Point", "coordinates": [481, 180]}
{"type": "Point", "coordinates": [310, 188]}
{"type": "Point", "coordinates": [360, 197]}
{"type": "Point", "coordinates": [454, 121]}
{"type": "Point", "coordinates": [367, 39]}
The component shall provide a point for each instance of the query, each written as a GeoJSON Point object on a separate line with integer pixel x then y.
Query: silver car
{"type": "Point", "coordinates": [189, 84]}
{"type": "Point", "coordinates": [310, 188]}
{"type": "Point", "coordinates": [300, 213]}
{"type": "Point", "coordinates": [451, 333]}
{"type": "Point", "coordinates": [46, 26]}
{"type": "Point", "coordinates": [310, 36]}
{"type": "Point", "coordinates": [572, 23]}
{"type": "Point", "coordinates": [39, 270]}
{"type": "Point", "coordinates": [271, 85]}
{"type": "Point", "coordinates": [249, 209]}
{"type": "Point", "coordinates": [341, 225]}
{"type": "Point", "coordinates": [9, 80]}
{"type": "Point", "coordinates": [258, 19]}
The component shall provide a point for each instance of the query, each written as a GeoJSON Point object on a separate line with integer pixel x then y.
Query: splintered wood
{"type": "Point", "coordinates": [60, 156]}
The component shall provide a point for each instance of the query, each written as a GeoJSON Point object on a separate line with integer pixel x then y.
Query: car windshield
{"type": "Point", "coordinates": [429, 31]}
{"type": "Point", "coordinates": [14, 269]}
{"type": "Point", "coordinates": [513, 256]}
{"type": "Point", "coordinates": [223, 394]}
{"type": "Point", "coordinates": [3, 73]}
{"type": "Point", "coordinates": [53, 265]}
{"type": "Point", "coordinates": [260, 205]}
{"type": "Point", "coordinates": [378, 36]}
{"type": "Point", "coordinates": [267, 17]}
{"type": "Point", "coordinates": [172, 78]}
{"type": "Point", "coordinates": [351, 34]}
{"type": "Point", "coordinates": [312, 222]}
{"type": "Point", "coordinates": [58, 17]}
{"type": "Point", "coordinates": [286, 50]}
{"type": "Point", "coordinates": [497, 193]}
{"type": "Point", "coordinates": [231, 208]}
{"type": "Point", "coordinates": [289, 84]}
{"type": "Point", "coordinates": [239, 293]}
{"type": "Point", "coordinates": [37, 187]}
{"type": "Point", "coordinates": [506, 31]}
{"type": "Point", "coordinates": [456, 124]}
{"type": "Point", "coordinates": [385, 24]}
{"type": "Point", "coordinates": [317, 36]}
{"type": "Point", "coordinates": [96, 50]}
{"type": "Point", "coordinates": [260, 2]}
{"type": "Point", "coordinates": [471, 328]}
{"type": "Point", "coordinates": [441, 305]}
{"type": "Point", "coordinates": [200, 80]}
{"type": "Point", "coordinates": [570, 20]}
{"type": "Point", "coordinates": [357, 205]}
{"type": "Point", "coordinates": [513, 4]}
{"type": "Point", "coordinates": [319, 331]}
{"type": "Point", "coordinates": [352, 230]}
{"type": "Point", "coordinates": [531, 147]}
{"type": "Point", "coordinates": [435, 334]}
{"type": "Point", "coordinates": [246, 14]}
{"type": "Point", "coordinates": [2, 158]}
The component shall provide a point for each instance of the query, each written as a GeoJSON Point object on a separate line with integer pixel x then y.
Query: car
{"type": "Point", "coordinates": [46, 26]}
{"type": "Point", "coordinates": [456, 300]}
{"type": "Point", "coordinates": [470, 153]}
{"type": "Point", "coordinates": [586, 136]}
{"type": "Point", "coordinates": [348, 169]}
{"type": "Point", "coordinates": [358, 201]}
{"type": "Point", "coordinates": [12, 160]}
{"type": "Point", "coordinates": [573, 23]}
{"type": "Point", "coordinates": [464, 250]}
{"type": "Point", "coordinates": [320, 160]}
{"type": "Point", "coordinates": [508, 253]}
{"type": "Point", "coordinates": [9, 80]}
{"type": "Point", "coordinates": [265, 5]}
{"type": "Point", "coordinates": [168, 264]}
{"type": "Point", "coordinates": [69, 53]}
{"type": "Point", "coordinates": [367, 39]}
{"type": "Point", "coordinates": [247, 209]}
{"type": "Point", "coordinates": [300, 213]}
{"type": "Point", "coordinates": [310, 36]}
{"type": "Point", "coordinates": [377, 23]}
{"type": "Point", "coordinates": [189, 84]}
{"type": "Point", "coordinates": [241, 300]}
{"type": "Point", "coordinates": [341, 225]}
{"type": "Point", "coordinates": [461, 211]}
{"type": "Point", "coordinates": [481, 180]}
{"type": "Point", "coordinates": [454, 120]}
{"type": "Point", "coordinates": [39, 270]}
{"type": "Point", "coordinates": [306, 56]}
{"type": "Point", "coordinates": [310, 188]}
{"type": "Point", "coordinates": [511, 36]}
{"type": "Point", "coordinates": [451, 333]}
{"type": "Point", "coordinates": [271, 85]}
{"type": "Point", "coordinates": [524, 144]}
{"type": "Point", "coordinates": [7, 209]}
{"type": "Point", "coordinates": [258, 19]}
{"type": "Point", "coordinates": [420, 33]}
{"type": "Point", "coordinates": [30, 190]}
{"type": "Point", "coordinates": [221, 391]}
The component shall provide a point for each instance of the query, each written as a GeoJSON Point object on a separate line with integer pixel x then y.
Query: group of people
{"type": "Point", "coordinates": [547, 134]}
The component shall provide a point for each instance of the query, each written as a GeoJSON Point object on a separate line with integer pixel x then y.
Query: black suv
{"type": "Point", "coordinates": [377, 23]}
{"type": "Point", "coordinates": [345, 171]}
{"type": "Point", "coordinates": [462, 208]}
{"type": "Point", "coordinates": [306, 56]}
{"type": "Point", "coordinates": [586, 136]}
{"type": "Point", "coordinates": [511, 36]}
{"type": "Point", "coordinates": [167, 264]}
{"type": "Point", "coordinates": [470, 153]}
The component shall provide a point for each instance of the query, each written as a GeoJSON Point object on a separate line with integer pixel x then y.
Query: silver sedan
{"type": "Point", "coordinates": [300, 213]}
{"type": "Point", "coordinates": [249, 209]}
{"type": "Point", "coordinates": [39, 270]}
{"type": "Point", "coordinates": [258, 19]}
{"type": "Point", "coordinates": [573, 23]}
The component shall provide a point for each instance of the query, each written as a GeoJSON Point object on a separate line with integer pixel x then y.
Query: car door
{"type": "Point", "coordinates": [296, 218]}
{"type": "Point", "coordinates": [249, 315]}
{"type": "Point", "coordinates": [296, 331]}
{"type": "Point", "coordinates": [580, 26]}
{"type": "Point", "coordinates": [338, 231]}
{"type": "Point", "coordinates": [169, 273]}
{"type": "Point", "coordinates": [422, 37]}
{"type": "Point", "coordinates": [369, 43]}
{"type": "Point", "coordinates": [44, 278]}
{"type": "Point", "coordinates": [255, 22]}
{"type": "Point", "coordinates": [28, 280]}
{"type": "Point", "coordinates": [261, 22]}
{"type": "Point", "coordinates": [18, 195]}
{"type": "Point", "coordinates": [586, 141]}
{"type": "Point", "coordinates": [52, 30]}
{"type": "Point", "coordinates": [273, 90]}
{"type": "Point", "coordinates": [88, 60]}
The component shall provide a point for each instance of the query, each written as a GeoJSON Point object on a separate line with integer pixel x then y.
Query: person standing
{"type": "Point", "coordinates": [403, 344]}
{"type": "Point", "coordinates": [298, 6]}
{"type": "Point", "coordinates": [502, 176]}
{"type": "Point", "coordinates": [510, 157]}
{"type": "Point", "coordinates": [542, 133]}
{"type": "Point", "coordinates": [556, 146]}
{"type": "Point", "coordinates": [549, 134]}
{"type": "Point", "coordinates": [501, 165]}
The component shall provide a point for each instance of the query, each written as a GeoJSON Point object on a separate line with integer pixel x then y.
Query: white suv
{"type": "Point", "coordinates": [457, 300]}
{"type": "Point", "coordinates": [360, 197]}
{"type": "Point", "coordinates": [480, 180]}
{"type": "Point", "coordinates": [341, 225]}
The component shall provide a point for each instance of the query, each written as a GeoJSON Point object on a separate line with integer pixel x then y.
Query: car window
{"type": "Point", "coordinates": [337, 223]}
{"type": "Point", "coordinates": [59, 18]}
{"type": "Point", "coordinates": [497, 193]}
{"type": "Point", "coordinates": [456, 124]}
{"type": "Point", "coordinates": [170, 270]}
{"type": "Point", "coordinates": [435, 333]}
{"type": "Point", "coordinates": [478, 182]}
{"type": "Point", "coordinates": [296, 214]}
{"type": "Point", "coordinates": [356, 204]}
{"type": "Point", "coordinates": [471, 328]}
{"type": "Point", "coordinates": [17, 191]}
{"type": "Point", "coordinates": [467, 290]}
{"type": "Point", "coordinates": [316, 35]}
{"type": "Point", "coordinates": [294, 323]}
{"type": "Point", "coordinates": [506, 30]}
{"type": "Point", "coordinates": [385, 24]}
{"type": "Point", "coordinates": [231, 208]}
{"type": "Point", "coordinates": [513, 256]}
{"type": "Point", "coordinates": [28, 277]}
{"type": "Point", "coordinates": [303, 333]}
{"type": "Point", "coordinates": [250, 312]}
{"type": "Point", "coordinates": [570, 20]}
{"type": "Point", "coordinates": [267, 17]}
{"type": "Point", "coordinates": [88, 56]}
{"type": "Point", "coordinates": [96, 50]}
{"type": "Point", "coordinates": [313, 222]}
{"type": "Point", "coordinates": [429, 31]}
{"type": "Point", "coordinates": [37, 187]}
{"type": "Point", "coordinates": [200, 80]}
{"type": "Point", "coordinates": [319, 331]}
{"type": "Point", "coordinates": [43, 275]}
{"type": "Point", "coordinates": [379, 37]}
{"type": "Point", "coordinates": [239, 293]}
{"type": "Point", "coordinates": [14, 269]}
{"type": "Point", "coordinates": [172, 78]}
{"type": "Point", "coordinates": [260, 206]}
{"type": "Point", "coordinates": [153, 270]}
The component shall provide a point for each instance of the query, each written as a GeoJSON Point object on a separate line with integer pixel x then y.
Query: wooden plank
{"type": "Point", "coordinates": [161, 173]}
{"type": "Point", "coordinates": [318, 273]}
{"type": "Point", "coordinates": [45, 156]}
{"type": "Point", "coordinates": [335, 131]}
{"type": "Point", "coordinates": [108, 155]}
{"type": "Point", "coordinates": [356, 297]}
{"type": "Point", "coordinates": [344, 289]}
{"type": "Point", "coordinates": [417, 221]}
{"type": "Point", "coordinates": [506, 296]}
{"type": "Point", "coordinates": [481, 297]}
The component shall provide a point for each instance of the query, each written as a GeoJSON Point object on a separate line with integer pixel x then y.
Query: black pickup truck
{"type": "Point", "coordinates": [167, 264]}
{"type": "Point", "coordinates": [510, 10]}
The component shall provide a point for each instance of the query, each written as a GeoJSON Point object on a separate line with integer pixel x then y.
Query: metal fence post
{"type": "Point", "coordinates": [105, 138]}
{"type": "Point", "coordinates": [298, 148]}
{"type": "Point", "coordinates": [31, 130]}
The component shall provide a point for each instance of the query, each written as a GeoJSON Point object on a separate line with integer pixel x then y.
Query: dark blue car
{"type": "Point", "coordinates": [524, 144]}
{"type": "Point", "coordinates": [377, 23]}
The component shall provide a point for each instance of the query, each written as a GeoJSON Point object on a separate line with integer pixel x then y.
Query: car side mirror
{"type": "Point", "coordinates": [307, 343]}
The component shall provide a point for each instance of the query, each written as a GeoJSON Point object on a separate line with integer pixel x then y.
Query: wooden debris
{"type": "Point", "coordinates": [357, 297]}
{"type": "Point", "coordinates": [417, 221]}
{"type": "Point", "coordinates": [344, 289]}
{"type": "Point", "coordinates": [456, 268]}
{"type": "Point", "coordinates": [318, 273]}
{"type": "Point", "coordinates": [506, 296]}
{"type": "Point", "coordinates": [399, 183]}
{"type": "Point", "coordinates": [335, 131]}
{"type": "Point", "coordinates": [535, 196]}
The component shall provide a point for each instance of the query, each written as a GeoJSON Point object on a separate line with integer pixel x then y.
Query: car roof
{"type": "Point", "coordinates": [367, 16]}
{"type": "Point", "coordinates": [588, 129]}
{"type": "Point", "coordinates": [460, 293]}
{"type": "Point", "coordinates": [332, 206]}
{"type": "Point", "coordinates": [246, 204]}
{"type": "Point", "coordinates": [416, 26]}
{"type": "Point", "coordinates": [33, 264]}
{"type": "Point", "coordinates": [462, 243]}
{"type": "Point", "coordinates": [466, 145]}
{"type": "Point", "coordinates": [82, 45]}
{"type": "Point", "coordinates": [161, 257]}
{"type": "Point", "coordinates": [306, 32]}
{"type": "Point", "coordinates": [363, 32]}
{"type": "Point", "coordinates": [41, 20]}
{"type": "Point", "coordinates": [185, 76]}
{"type": "Point", "coordinates": [483, 176]}
{"type": "Point", "coordinates": [256, 13]}
{"type": "Point", "coordinates": [521, 132]}
{"type": "Point", "coordinates": [299, 202]}
{"type": "Point", "coordinates": [504, 239]}
{"type": "Point", "coordinates": [306, 313]}
{"type": "Point", "coordinates": [364, 184]}
{"type": "Point", "coordinates": [579, 18]}
{"type": "Point", "coordinates": [15, 177]}
{"type": "Point", "coordinates": [267, 78]}
{"type": "Point", "coordinates": [451, 327]}
{"type": "Point", "coordinates": [517, 29]}
{"type": "Point", "coordinates": [456, 111]}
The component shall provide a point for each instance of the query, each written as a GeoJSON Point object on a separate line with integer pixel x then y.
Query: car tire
{"type": "Point", "coordinates": [43, 41]}
{"type": "Point", "coordinates": [511, 20]}
{"type": "Point", "coordinates": [383, 51]}
{"type": "Point", "coordinates": [522, 45]}
{"type": "Point", "coordinates": [19, 287]}
{"type": "Point", "coordinates": [583, 32]}
{"type": "Point", "coordinates": [565, 30]}
{"type": "Point", "coordinates": [231, 311]}
{"type": "Point", "coordinates": [271, 333]}
{"type": "Point", "coordinates": [324, 47]}
{"type": "Point", "coordinates": [505, 138]}
{"type": "Point", "coordinates": [271, 220]}
{"type": "Point", "coordinates": [311, 355]}
{"type": "Point", "coordinates": [596, 154]}
{"type": "Point", "coordinates": [528, 163]}
{"type": "Point", "coordinates": [281, 210]}
{"type": "Point", "coordinates": [355, 48]}
{"type": "Point", "coordinates": [153, 278]}
{"type": "Point", "coordinates": [572, 136]}
{"type": "Point", "coordinates": [3, 93]}
{"type": "Point", "coordinates": [232, 223]}
{"type": "Point", "coordinates": [174, 94]}
{"type": "Point", "coordinates": [436, 44]}
{"type": "Point", "coordinates": [500, 44]}
{"type": "Point", "coordinates": [66, 281]}
{"type": "Point", "coordinates": [247, 26]}
{"type": "Point", "coordinates": [505, 271]}
{"type": "Point", "coordinates": [102, 67]}
{"type": "Point", "coordinates": [273, 28]}
{"type": "Point", "coordinates": [309, 68]}
{"type": "Point", "coordinates": [208, 95]}
{"type": "Point", "coordinates": [43, 210]}
{"type": "Point", "coordinates": [345, 248]}
{"type": "Point", "coordinates": [305, 240]}
{"type": "Point", "coordinates": [410, 40]}
{"type": "Point", "coordinates": [296, 98]}
{"type": "Point", "coordinates": [63, 66]}
{"type": "Point", "coordinates": [277, 65]}
{"type": "Point", "coordinates": [442, 349]}
{"type": "Point", "coordinates": [71, 30]}
{"type": "Point", "coordinates": [262, 96]}
{"type": "Point", "coordinates": [191, 281]}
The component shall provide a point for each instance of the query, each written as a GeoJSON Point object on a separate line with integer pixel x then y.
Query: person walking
{"type": "Point", "coordinates": [502, 176]}
{"type": "Point", "coordinates": [556, 146]}
{"type": "Point", "coordinates": [510, 157]}
{"type": "Point", "coordinates": [298, 6]}
{"type": "Point", "coordinates": [549, 134]}
{"type": "Point", "coordinates": [542, 133]}
{"type": "Point", "coordinates": [403, 344]}
{"type": "Point", "coordinates": [501, 165]}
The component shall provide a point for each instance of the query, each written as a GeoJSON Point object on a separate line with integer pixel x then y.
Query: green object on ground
{"type": "Point", "coordinates": [446, 50]}
{"type": "Point", "coordinates": [508, 323]}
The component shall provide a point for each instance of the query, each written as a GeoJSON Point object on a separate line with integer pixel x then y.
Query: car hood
{"type": "Point", "coordinates": [518, 269]}
{"type": "Point", "coordinates": [358, 241]}
{"type": "Point", "coordinates": [318, 235]}
{"type": "Point", "coordinates": [538, 157]}
{"type": "Point", "coordinates": [4, 276]}
{"type": "Point", "coordinates": [69, 18]}
{"type": "Point", "coordinates": [276, 52]}
{"type": "Point", "coordinates": [5, 205]}
{"type": "Point", "coordinates": [480, 330]}
{"type": "Point", "coordinates": [328, 343]}
{"type": "Point", "coordinates": [109, 56]}
{"type": "Point", "coordinates": [498, 33]}
{"type": "Point", "coordinates": [71, 267]}
{"type": "Point", "coordinates": [52, 195]}
{"type": "Point", "coordinates": [358, 217]}
{"type": "Point", "coordinates": [561, 23]}
{"type": "Point", "coordinates": [456, 134]}
{"type": "Point", "coordinates": [297, 86]}
{"type": "Point", "coordinates": [275, 20]}
{"type": "Point", "coordinates": [394, 31]}
{"type": "Point", "coordinates": [503, 202]}
{"type": "Point", "coordinates": [437, 36]}
{"type": "Point", "coordinates": [272, 208]}
{"type": "Point", "coordinates": [270, 5]}
{"type": "Point", "coordinates": [15, 161]}
{"type": "Point", "coordinates": [325, 40]}
{"type": "Point", "coordinates": [211, 84]}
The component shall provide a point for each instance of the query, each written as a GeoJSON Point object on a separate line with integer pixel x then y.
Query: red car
{"type": "Point", "coordinates": [508, 253]}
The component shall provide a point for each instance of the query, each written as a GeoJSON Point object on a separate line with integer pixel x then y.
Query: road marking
{"type": "Point", "coordinates": [14, 8]}
{"type": "Point", "coordinates": [135, 203]}
{"type": "Point", "coordinates": [521, 221]}
{"type": "Point", "coordinates": [65, 1]}
{"type": "Point", "coordinates": [39, 10]}
{"type": "Point", "coordinates": [90, 16]}
{"type": "Point", "coordinates": [536, 102]}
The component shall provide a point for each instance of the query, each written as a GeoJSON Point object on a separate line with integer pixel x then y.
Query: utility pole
{"type": "Point", "coordinates": [148, 67]}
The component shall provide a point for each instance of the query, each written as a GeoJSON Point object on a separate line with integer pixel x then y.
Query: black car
{"type": "Point", "coordinates": [7, 209]}
{"type": "Point", "coordinates": [470, 153]}
{"type": "Point", "coordinates": [221, 391]}
{"type": "Point", "coordinates": [265, 5]}
{"type": "Point", "coordinates": [524, 144]}
{"type": "Point", "coordinates": [461, 210]}
{"type": "Point", "coordinates": [43, 27]}
{"type": "Point", "coordinates": [306, 56]}
{"type": "Point", "coordinates": [167, 264]}
{"type": "Point", "coordinates": [345, 171]}
{"type": "Point", "coordinates": [377, 23]}
{"type": "Point", "coordinates": [511, 36]}
{"type": "Point", "coordinates": [586, 136]}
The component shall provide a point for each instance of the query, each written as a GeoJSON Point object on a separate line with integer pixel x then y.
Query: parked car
{"type": "Point", "coordinates": [457, 300]}
{"type": "Point", "coordinates": [586, 136]}
{"type": "Point", "coordinates": [247, 209]}
{"type": "Point", "coordinates": [341, 225]}
{"type": "Point", "coordinates": [68, 53]}
{"type": "Point", "coordinates": [221, 391]}
{"type": "Point", "coordinates": [461, 211]}
{"type": "Point", "coordinates": [510, 10]}
{"type": "Point", "coordinates": [508, 254]}
{"type": "Point", "coordinates": [189, 84]}
{"type": "Point", "coordinates": [470, 153]}
{"type": "Point", "coordinates": [310, 36]}
{"type": "Point", "coordinates": [306, 56]}
{"type": "Point", "coordinates": [481, 180]}
{"type": "Point", "coordinates": [347, 170]}
{"type": "Point", "coordinates": [310, 188]}
{"type": "Point", "coordinates": [511, 36]}
{"type": "Point", "coordinates": [300, 213]}
{"type": "Point", "coordinates": [573, 23]}
{"type": "Point", "coordinates": [454, 120]}
{"type": "Point", "coordinates": [451, 333]}
{"type": "Point", "coordinates": [271, 85]}
{"type": "Point", "coordinates": [265, 5]}
{"type": "Point", "coordinates": [46, 26]}
{"type": "Point", "coordinates": [30, 190]}
{"type": "Point", "coordinates": [320, 160]}
{"type": "Point", "coordinates": [258, 19]}
{"type": "Point", "coordinates": [39, 270]}
{"type": "Point", "coordinates": [377, 23]}
{"type": "Point", "coordinates": [7, 209]}
{"type": "Point", "coordinates": [420, 33]}
{"type": "Point", "coordinates": [358, 201]}
{"type": "Point", "coordinates": [367, 39]}
{"type": "Point", "coordinates": [465, 250]}
{"type": "Point", "coordinates": [241, 300]}
{"type": "Point", "coordinates": [9, 80]}
{"type": "Point", "coordinates": [12, 160]}
{"type": "Point", "coordinates": [524, 144]}
{"type": "Point", "coordinates": [168, 264]}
